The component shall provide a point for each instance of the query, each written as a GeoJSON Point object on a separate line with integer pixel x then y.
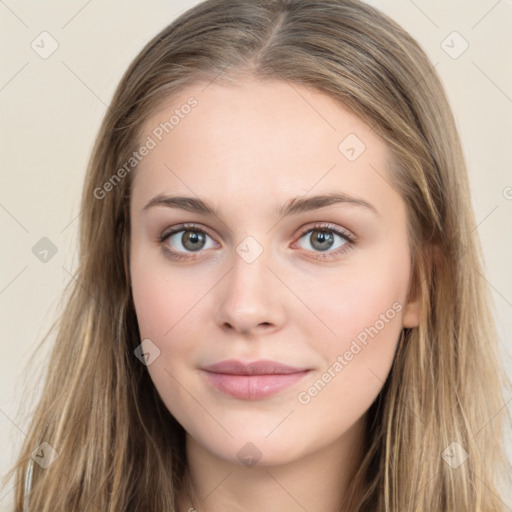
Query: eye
{"type": "Point", "coordinates": [321, 239]}
{"type": "Point", "coordinates": [187, 239]}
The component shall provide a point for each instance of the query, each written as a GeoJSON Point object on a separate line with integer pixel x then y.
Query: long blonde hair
{"type": "Point", "coordinates": [119, 448]}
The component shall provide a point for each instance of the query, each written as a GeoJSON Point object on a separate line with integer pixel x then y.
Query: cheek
{"type": "Point", "coordinates": [163, 300]}
{"type": "Point", "coordinates": [372, 293]}
{"type": "Point", "coordinates": [366, 316]}
{"type": "Point", "coordinates": [156, 304]}
{"type": "Point", "coordinates": [170, 309]}
{"type": "Point", "coordinates": [363, 308]}
{"type": "Point", "coordinates": [168, 314]}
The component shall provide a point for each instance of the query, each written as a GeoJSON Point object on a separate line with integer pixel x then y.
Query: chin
{"type": "Point", "coordinates": [251, 449]}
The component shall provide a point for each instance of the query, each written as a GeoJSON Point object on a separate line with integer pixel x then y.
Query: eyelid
{"type": "Point", "coordinates": [186, 226]}
{"type": "Point", "coordinates": [327, 226]}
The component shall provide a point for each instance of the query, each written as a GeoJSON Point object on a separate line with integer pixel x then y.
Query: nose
{"type": "Point", "coordinates": [250, 299]}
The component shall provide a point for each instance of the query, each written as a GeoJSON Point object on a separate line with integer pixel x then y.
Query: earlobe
{"type": "Point", "coordinates": [411, 312]}
{"type": "Point", "coordinates": [411, 316]}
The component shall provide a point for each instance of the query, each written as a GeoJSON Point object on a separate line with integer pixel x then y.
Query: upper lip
{"type": "Point", "coordinates": [260, 367]}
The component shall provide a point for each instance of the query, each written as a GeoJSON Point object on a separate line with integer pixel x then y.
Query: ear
{"type": "Point", "coordinates": [411, 316]}
{"type": "Point", "coordinates": [412, 310]}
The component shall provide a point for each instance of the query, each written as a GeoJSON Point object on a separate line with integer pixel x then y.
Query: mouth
{"type": "Point", "coordinates": [254, 380]}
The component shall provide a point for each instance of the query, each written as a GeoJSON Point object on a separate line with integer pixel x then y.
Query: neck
{"type": "Point", "coordinates": [317, 481]}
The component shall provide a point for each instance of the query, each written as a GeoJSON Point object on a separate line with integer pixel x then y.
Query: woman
{"type": "Point", "coordinates": [308, 149]}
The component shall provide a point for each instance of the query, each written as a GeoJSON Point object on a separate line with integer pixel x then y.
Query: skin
{"type": "Point", "coordinates": [247, 148]}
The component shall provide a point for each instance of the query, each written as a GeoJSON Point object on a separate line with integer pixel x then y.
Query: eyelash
{"type": "Point", "coordinates": [349, 238]}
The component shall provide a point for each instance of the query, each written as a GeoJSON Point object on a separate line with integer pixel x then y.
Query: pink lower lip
{"type": "Point", "coordinates": [253, 387]}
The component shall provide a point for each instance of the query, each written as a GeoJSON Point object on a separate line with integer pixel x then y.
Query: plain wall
{"type": "Point", "coordinates": [51, 109]}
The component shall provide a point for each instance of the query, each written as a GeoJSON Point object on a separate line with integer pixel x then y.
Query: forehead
{"type": "Point", "coordinates": [251, 138]}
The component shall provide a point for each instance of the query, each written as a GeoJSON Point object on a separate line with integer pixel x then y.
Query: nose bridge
{"type": "Point", "coordinates": [245, 300]}
{"type": "Point", "coordinates": [250, 274]}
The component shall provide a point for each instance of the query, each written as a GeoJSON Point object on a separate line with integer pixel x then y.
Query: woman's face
{"type": "Point", "coordinates": [294, 251]}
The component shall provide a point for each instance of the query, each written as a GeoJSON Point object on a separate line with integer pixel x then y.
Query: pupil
{"type": "Point", "coordinates": [324, 238]}
{"type": "Point", "coordinates": [193, 237]}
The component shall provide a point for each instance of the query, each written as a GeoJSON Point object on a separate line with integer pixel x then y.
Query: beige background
{"type": "Point", "coordinates": [51, 109]}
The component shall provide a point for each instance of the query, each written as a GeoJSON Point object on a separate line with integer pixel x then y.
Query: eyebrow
{"type": "Point", "coordinates": [293, 206]}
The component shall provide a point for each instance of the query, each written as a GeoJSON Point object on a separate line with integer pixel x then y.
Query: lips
{"type": "Point", "coordinates": [261, 367]}
{"type": "Point", "coordinates": [253, 380]}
